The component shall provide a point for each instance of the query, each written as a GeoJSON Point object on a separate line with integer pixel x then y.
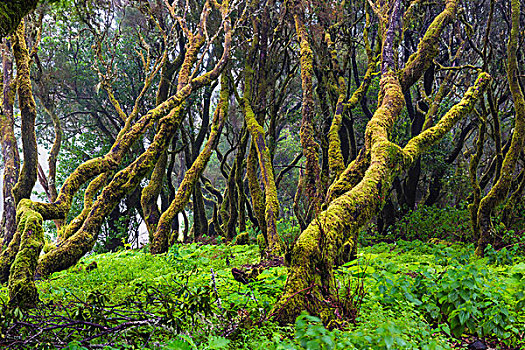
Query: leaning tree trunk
{"type": "Point", "coordinates": [310, 282]}
{"type": "Point", "coordinates": [12, 12]}
{"type": "Point", "coordinates": [122, 183]}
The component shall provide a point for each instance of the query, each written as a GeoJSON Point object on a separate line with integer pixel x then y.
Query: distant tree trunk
{"type": "Point", "coordinates": [161, 237]}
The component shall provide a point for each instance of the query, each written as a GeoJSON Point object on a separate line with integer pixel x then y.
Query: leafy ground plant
{"type": "Point", "coordinates": [415, 295]}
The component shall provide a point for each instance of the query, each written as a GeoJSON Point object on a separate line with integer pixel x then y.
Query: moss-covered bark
{"type": "Point", "coordinates": [317, 248]}
{"type": "Point", "coordinates": [501, 188]}
{"type": "Point", "coordinates": [28, 173]}
{"type": "Point", "coordinates": [427, 48]}
{"type": "Point", "coordinates": [335, 155]}
{"type": "Point", "coordinates": [308, 142]}
{"type": "Point", "coordinates": [8, 255]}
{"type": "Point", "coordinates": [267, 174]}
{"type": "Point", "coordinates": [12, 12]}
{"type": "Point", "coordinates": [127, 179]}
{"type": "Point", "coordinates": [10, 154]}
{"type": "Point", "coordinates": [473, 167]}
{"type": "Point", "coordinates": [256, 193]}
{"type": "Point", "coordinates": [161, 236]}
{"type": "Point", "coordinates": [150, 194]}
{"type": "Point", "coordinates": [89, 196]}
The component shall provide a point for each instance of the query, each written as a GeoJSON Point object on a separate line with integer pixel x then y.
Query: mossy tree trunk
{"type": "Point", "coordinates": [312, 172]}
{"type": "Point", "coordinates": [310, 283]}
{"type": "Point", "coordinates": [22, 289]}
{"type": "Point", "coordinates": [21, 255]}
{"type": "Point", "coordinates": [168, 115]}
{"type": "Point", "coordinates": [28, 173]}
{"type": "Point", "coordinates": [267, 174]}
{"type": "Point", "coordinates": [127, 179]}
{"type": "Point", "coordinates": [10, 154]}
{"type": "Point", "coordinates": [151, 192]}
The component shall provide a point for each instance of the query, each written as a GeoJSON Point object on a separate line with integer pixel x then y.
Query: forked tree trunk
{"type": "Point", "coordinates": [310, 283]}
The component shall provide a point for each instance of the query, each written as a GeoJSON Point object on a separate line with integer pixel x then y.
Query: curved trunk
{"type": "Point", "coordinates": [316, 250]}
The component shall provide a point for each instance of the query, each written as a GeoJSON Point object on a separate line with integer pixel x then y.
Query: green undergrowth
{"type": "Point", "coordinates": [417, 296]}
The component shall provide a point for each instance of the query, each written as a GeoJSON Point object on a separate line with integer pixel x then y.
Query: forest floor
{"type": "Point", "coordinates": [414, 295]}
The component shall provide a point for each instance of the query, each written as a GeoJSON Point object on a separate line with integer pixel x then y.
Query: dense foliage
{"type": "Point", "coordinates": [415, 295]}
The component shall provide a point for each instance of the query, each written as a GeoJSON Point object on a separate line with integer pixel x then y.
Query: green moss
{"type": "Point", "coordinates": [150, 194]}
{"type": "Point", "coordinates": [267, 174]}
{"type": "Point", "coordinates": [427, 48]}
{"type": "Point", "coordinates": [22, 289]}
{"type": "Point", "coordinates": [28, 173]}
{"type": "Point", "coordinates": [256, 194]}
{"type": "Point", "coordinates": [12, 12]}
{"type": "Point", "coordinates": [312, 171]}
{"type": "Point", "coordinates": [242, 239]}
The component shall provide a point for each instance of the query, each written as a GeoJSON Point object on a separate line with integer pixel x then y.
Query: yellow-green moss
{"type": "Point", "coordinates": [22, 289]}
{"type": "Point", "coordinates": [307, 135]}
{"type": "Point", "coordinates": [335, 155]}
{"type": "Point", "coordinates": [150, 194]}
{"type": "Point", "coordinates": [427, 48]}
{"type": "Point", "coordinates": [27, 105]}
